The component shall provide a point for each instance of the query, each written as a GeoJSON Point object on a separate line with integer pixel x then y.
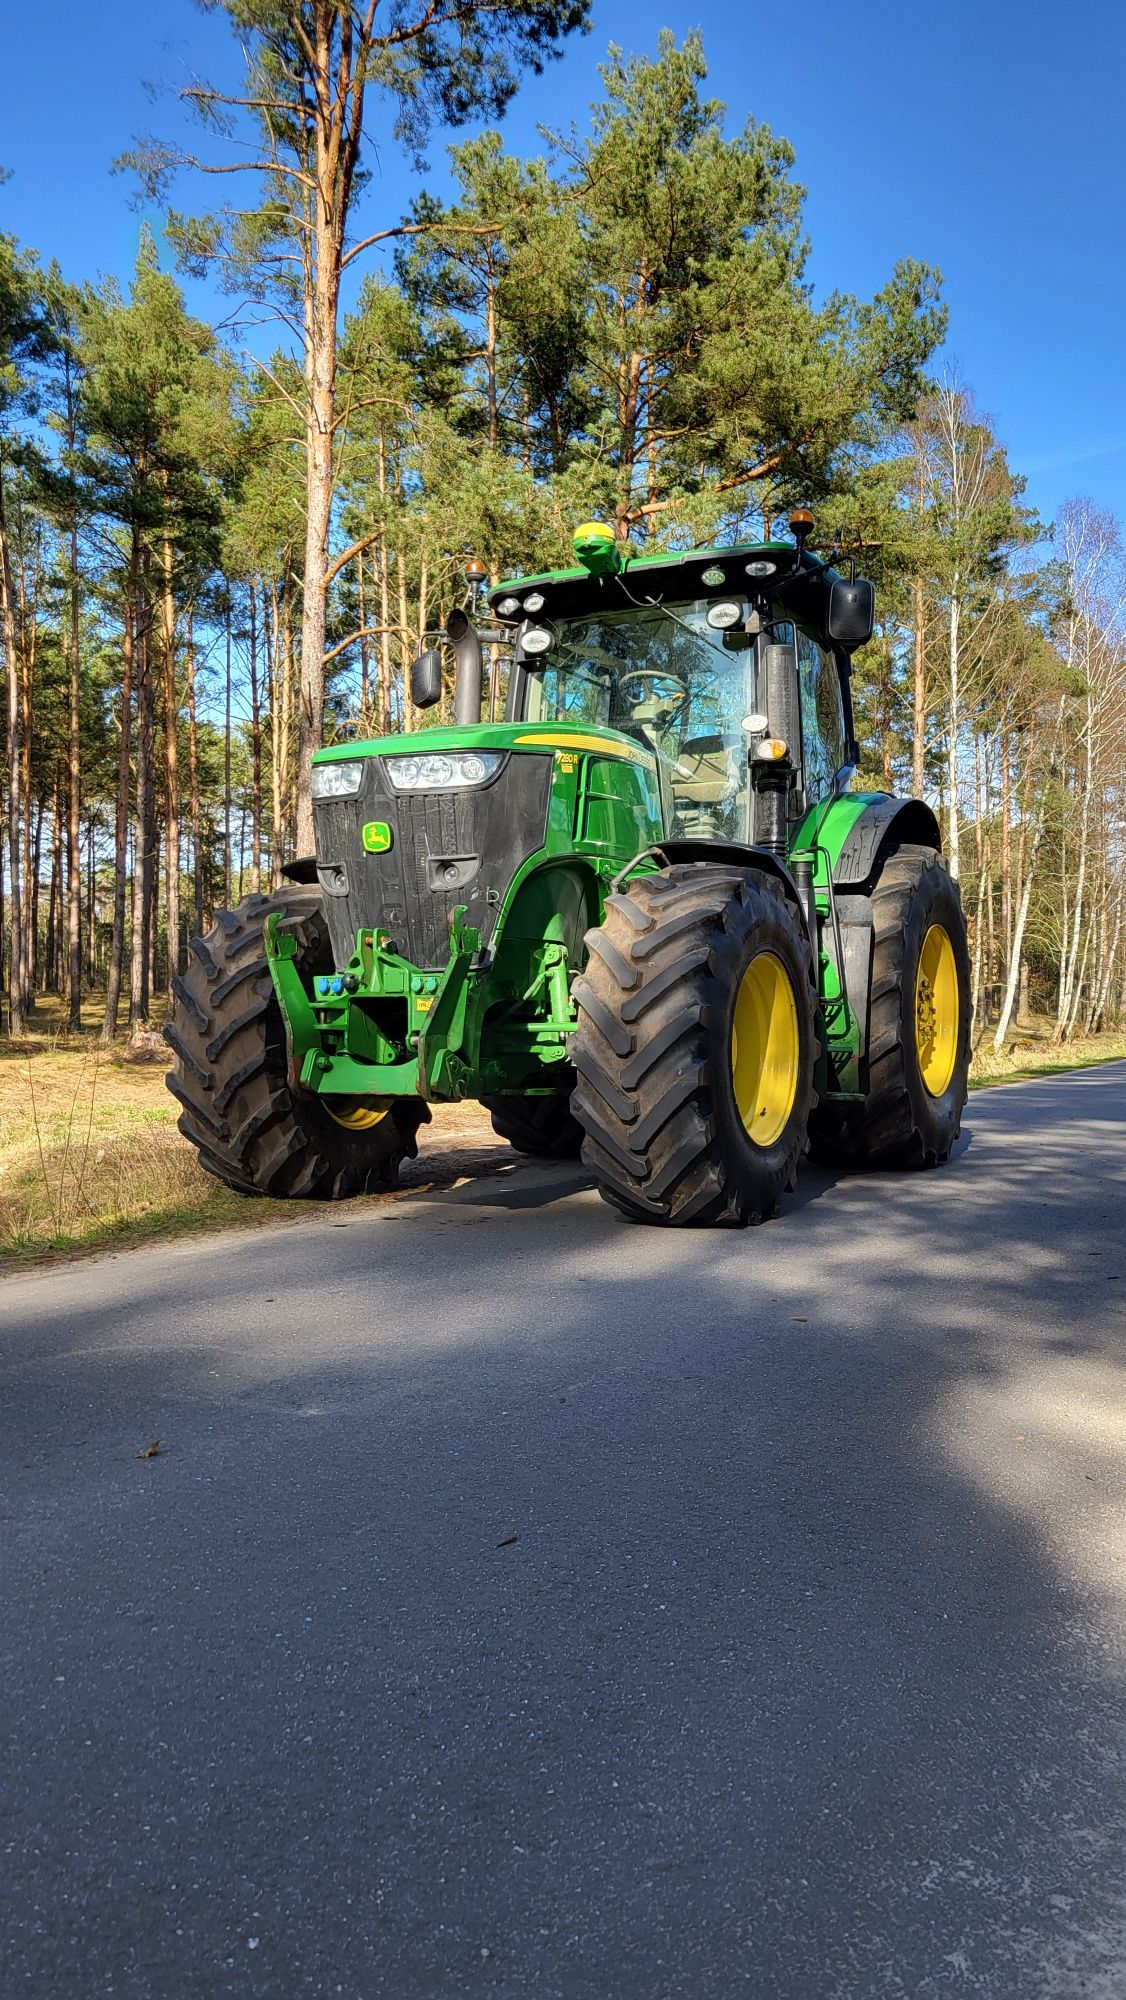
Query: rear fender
{"type": "Point", "coordinates": [856, 845]}
{"type": "Point", "coordinates": [858, 851]}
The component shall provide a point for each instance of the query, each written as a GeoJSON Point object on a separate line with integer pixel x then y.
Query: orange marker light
{"type": "Point", "coordinates": [772, 749]}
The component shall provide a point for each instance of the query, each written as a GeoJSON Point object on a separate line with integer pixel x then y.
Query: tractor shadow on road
{"type": "Point", "coordinates": [497, 1180]}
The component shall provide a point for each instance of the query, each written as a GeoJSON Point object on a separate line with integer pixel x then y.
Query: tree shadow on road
{"type": "Point", "coordinates": [523, 1603]}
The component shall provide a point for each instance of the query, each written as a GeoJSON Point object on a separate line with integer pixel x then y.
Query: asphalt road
{"type": "Point", "coordinates": [527, 1604]}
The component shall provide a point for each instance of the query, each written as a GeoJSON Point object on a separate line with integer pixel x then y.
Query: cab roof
{"type": "Point", "coordinates": [792, 577]}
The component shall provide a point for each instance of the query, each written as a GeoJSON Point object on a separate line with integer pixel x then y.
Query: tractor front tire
{"type": "Point", "coordinates": [541, 1126]}
{"type": "Point", "coordinates": [250, 1127]}
{"type": "Point", "coordinates": [695, 1046]}
{"type": "Point", "coordinates": [918, 1025]}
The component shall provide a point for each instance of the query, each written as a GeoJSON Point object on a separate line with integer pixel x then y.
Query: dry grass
{"type": "Point", "coordinates": [90, 1155]}
{"type": "Point", "coordinates": [89, 1150]}
{"type": "Point", "coordinates": [1029, 1052]}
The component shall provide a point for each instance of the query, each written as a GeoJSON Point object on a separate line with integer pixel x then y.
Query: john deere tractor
{"type": "Point", "coordinates": [627, 901]}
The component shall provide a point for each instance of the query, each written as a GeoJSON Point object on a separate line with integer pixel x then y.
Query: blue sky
{"type": "Point", "coordinates": [989, 139]}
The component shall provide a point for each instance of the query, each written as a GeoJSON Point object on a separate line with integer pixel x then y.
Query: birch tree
{"type": "Point", "coordinates": [1093, 640]}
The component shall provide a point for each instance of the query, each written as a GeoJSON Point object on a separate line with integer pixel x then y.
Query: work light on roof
{"type": "Point", "coordinates": [537, 639]}
{"type": "Point", "coordinates": [725, 614]}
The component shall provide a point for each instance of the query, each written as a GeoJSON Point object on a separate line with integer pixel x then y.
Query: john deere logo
{"type": "Point", "coordinates": [376, 836]}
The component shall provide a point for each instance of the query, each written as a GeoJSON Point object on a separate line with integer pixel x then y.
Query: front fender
{"type": "Point", "coordinates": [740, 852]}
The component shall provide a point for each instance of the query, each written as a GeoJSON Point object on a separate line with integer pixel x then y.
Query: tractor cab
{"type": "Point", "coordinates": [728, 666]}
{"type": "Point", "coordinates": [722, 663]}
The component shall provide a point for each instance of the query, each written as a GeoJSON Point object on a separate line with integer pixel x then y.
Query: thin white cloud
{"type": "Point", "coordinates": [1059, 461]}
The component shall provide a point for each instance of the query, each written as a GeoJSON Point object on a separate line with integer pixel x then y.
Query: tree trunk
{"type": "Point", "coordinates": [153, 931]}
{"type": "Point", "coordinates": [1070, 954]}
{"type": "Point", "coordinates": [404, 628]}
{"type": "Point", "coordinates": [320, 385]}
{"type": "Point", "coordinates": [1006, 858]}
{"type": "Point", "coordinates": [918, 741]}
{"type": "Point", "coordinates": [56, 926]}
{"type": "Point", "coordinates": [255, 750]}
{"type": "Point", "coordinates": [35, 863]}
{"type": "Point", "coordinates": [1018, 932]}
{"type": "Point", "coordinates": [1102, 996]}
{"type": "Point", "coordinates": [29, 627]}
{"type": "Point", "coordinates": [121, 819]}
{"type": "Point", "coordinates": [384, 601]}
{"type": "Point", "coordinates": [91, 908]}
{"type": "Point", "coordinates": [17, 1015]}
{"type": "Point", "coordinates": [365, 650]}
{"type": "Point", "coordinates": [952, 836]}
{"type": "Point", "coordinates": [289, 691]}
{"type": "Point", "coordinates": [227, 897]}
{"type": "Point", "coordinates": [1017, 969]}
{"type": "Point", "coordinates": [171, 760]}
{"type": "Point", "coordinates": [143, 831]}
{"type": "Point", "coordinates": [274, 671]}
{"type": "Point", "coordinates": [73, 802]}
{"type": "Point", "coordinates": [198, 919]}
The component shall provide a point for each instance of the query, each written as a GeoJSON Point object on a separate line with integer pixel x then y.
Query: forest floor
{"type": "Point", "coordinates": [90, 1156]}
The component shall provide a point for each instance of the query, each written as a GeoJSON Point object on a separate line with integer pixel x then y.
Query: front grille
{"type": "Point", "coordinates": [448, 848]}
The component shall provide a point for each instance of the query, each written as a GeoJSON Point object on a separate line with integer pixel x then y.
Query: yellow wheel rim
{"type": "Point", "coordinates": [936, 1011]}
{"type": "Point", "coordinates": [765, 1049]}
{"type": "Point", "coordinates": [358, 1117]}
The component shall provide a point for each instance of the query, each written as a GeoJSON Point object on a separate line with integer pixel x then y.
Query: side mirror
{"type": "Point", "coordinates": [426, 679]}
{"type": "Point", "coordinates": [852, 612]}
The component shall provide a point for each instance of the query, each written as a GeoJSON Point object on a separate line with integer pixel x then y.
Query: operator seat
{"type": "Point", "coordinates": [703, 774]}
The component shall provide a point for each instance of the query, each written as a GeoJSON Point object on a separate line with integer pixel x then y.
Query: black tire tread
{"type": "Point", "coordinates": [644, 1082]}
{"type": "Point", "coordinates": [542, 1127]}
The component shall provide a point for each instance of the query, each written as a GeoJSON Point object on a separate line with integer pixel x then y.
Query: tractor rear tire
{"type": "Point", "coordinates": [696, 1032]}
{"type": "Point", "coordinates": [918, 1025]}
{"type": "Point", "coordinates": [250, 1127]}
{"type": "Point", "coordinates": [541, 1126]}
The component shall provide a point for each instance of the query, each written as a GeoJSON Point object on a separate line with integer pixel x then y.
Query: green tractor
{"type": "Point", "coordinates": [636, 912]}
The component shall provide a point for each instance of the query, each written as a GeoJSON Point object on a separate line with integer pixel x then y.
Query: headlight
{"type": "Point", "coordinates": [535, 601]}
{"type": "Point", "coordinates": [453, 772]}
{"type": "Point", "coordinates": [508, 607]}
{"type": "Point", "coordinates": [337, 781]}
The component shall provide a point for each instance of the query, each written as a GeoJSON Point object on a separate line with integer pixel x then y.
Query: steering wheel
{"type": "Point", "coordinates": [677, 699]}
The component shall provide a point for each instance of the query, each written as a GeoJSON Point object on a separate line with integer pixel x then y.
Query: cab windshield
{"type": "Point", "coordinates": [674, 682]}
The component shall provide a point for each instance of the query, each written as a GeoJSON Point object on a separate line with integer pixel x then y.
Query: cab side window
{"type": "Point", "coordinates": [822, 718]}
